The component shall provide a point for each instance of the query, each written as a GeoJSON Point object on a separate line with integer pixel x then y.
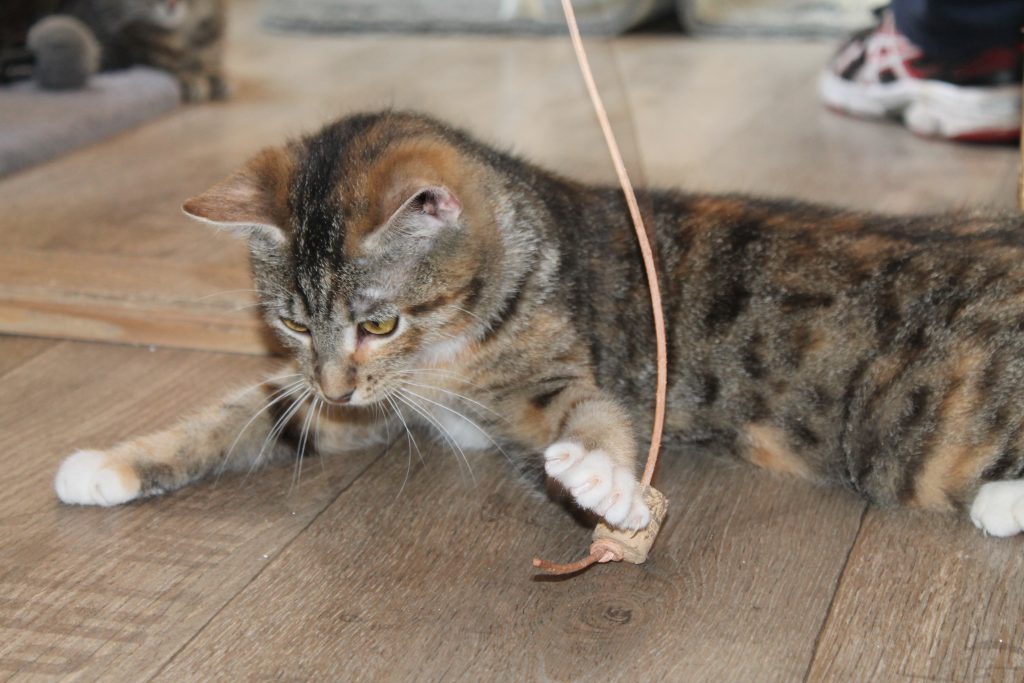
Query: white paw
{"type": "Point", "coordinates": [87, 478]}
{"type": "Point", "coordinates": [998, 509]}
{"type": "Point", "coordinates": [596, 483]}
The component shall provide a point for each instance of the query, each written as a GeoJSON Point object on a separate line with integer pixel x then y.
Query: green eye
{"type": "Point", "coordinates": [294, 326]}
{"type": "Point", "coordinates": [380, 328]}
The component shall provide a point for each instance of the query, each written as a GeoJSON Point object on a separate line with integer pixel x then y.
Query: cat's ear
{"type": "Point", "coordinates": [253, 200]}
{"type": "Point", "coordinates": [435, 205]}
{"type": "Point", "coordinates": [424, 210]}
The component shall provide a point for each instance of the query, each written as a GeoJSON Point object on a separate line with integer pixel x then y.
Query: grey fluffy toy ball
{"type": "Point", "coordinates": [66, 51]}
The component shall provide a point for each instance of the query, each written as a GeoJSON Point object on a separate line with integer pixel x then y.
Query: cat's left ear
{"type": "Point", "coordinates": [253, 200]}
{"type": "Point", "coordinates": [435, 204]}
{"type": "Point", "coordinates": [425, 211]}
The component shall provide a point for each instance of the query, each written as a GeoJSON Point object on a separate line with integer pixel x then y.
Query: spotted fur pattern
{"type": "Point", "coordinates": [882, 354]}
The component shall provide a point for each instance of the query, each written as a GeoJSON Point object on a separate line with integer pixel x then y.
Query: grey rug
{"type": "Point", "coordinates": [596, 17]}
{"type": "Point", "coordinates": [37, 125]}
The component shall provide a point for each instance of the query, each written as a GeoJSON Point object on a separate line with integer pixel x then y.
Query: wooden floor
{"type": "Point", "coordinates": [358, 574]}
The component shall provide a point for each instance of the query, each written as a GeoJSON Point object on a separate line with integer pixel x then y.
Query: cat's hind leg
{"type": "Point", "coordinates": [239, 433]}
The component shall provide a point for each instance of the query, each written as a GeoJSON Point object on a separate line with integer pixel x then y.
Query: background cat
{"type": "Point", "coordinates": [419, 276]}
{"type": "Point", "coordinates": [182, 37]}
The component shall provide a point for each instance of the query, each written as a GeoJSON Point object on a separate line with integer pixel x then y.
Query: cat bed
{"type": "Point", "coordinates": [596, 17]}
{"type": "Point", "coordinates": [37, 125]}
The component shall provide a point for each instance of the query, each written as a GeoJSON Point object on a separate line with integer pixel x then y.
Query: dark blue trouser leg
{"type": "Point", "coordinates": [953, 30]}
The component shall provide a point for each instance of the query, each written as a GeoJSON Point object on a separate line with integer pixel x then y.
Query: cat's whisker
{"type": "Point", "coordinates": [300, 452]}
{"type": "Point", "coordinates": [269, 380]}
{"type": "Point", "coordinates": [408, 431]}
{"type": "Point", "coordinates": [467, 312]}
{"type": "Point", "coordinates": [471, 422]}
{"type": "Point", "coordinates": [408, 453]}
{"type": "Point", "coordinates": [425, 414]}
{"type": "Point", "coordinates": [279, 426]}
{"type": "Point", "coordinates": [277, 396]}
{"type": "Point", "coordinates": [445, 335]}
{"type": "Point", "coordinates": [316, 434]}
{"type": "Point", "coordinates": [278, 429]}
{"type": "Point", "coordinates": [387, 423]}
{"type": "Point", "coordinates": [443, 373]}
{"type": "Point", "coordinates": [379, 407]}
{"type": "Point", "coordinates": [457, 395]}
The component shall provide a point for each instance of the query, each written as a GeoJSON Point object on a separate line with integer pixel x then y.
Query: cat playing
{"type": "Point", "coordinates": [418, 277]}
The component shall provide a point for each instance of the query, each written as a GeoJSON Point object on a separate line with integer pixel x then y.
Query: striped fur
{"type": "Point", "coordinates": [878, 353]}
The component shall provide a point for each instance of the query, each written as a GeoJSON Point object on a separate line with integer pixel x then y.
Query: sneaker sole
{"type": "Point", "coordinates": [931, 108]}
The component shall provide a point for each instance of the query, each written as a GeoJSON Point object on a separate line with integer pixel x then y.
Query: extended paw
{"type": "Point", "coordinates": [998, 509]}
{"type": "Point", "coordinates": [90, 478]}
{"type": "Point", "coordinates": [597, 483]}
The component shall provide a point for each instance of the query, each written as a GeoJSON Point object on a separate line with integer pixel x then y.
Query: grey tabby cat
{"type": "Point", "coordinates": [405, 264]}
{"type": "Point", "coordinates": [182, 37]}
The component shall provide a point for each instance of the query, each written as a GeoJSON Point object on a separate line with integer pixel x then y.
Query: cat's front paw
{"type": "Point", "coordinates": [598, 484]}
{"type": "Point", "coordinates": [91, 478]}
{"type": "Point", "coordinates": [998, 509]}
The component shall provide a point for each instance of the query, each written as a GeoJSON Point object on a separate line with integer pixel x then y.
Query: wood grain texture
{"type": "Point", "coordinates": [434, 583]}
{"type": "Point", "coordinates": [926, 597]}
{"type": "Point", "coordinates": [18, 350]}
{"type": "Point", "coordinates": [113, 593]}
{"type": "Point", "coordinates": [186, 303]}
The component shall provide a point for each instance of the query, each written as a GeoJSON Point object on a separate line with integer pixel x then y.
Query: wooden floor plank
{"type": "Point", "coordinates": [434, 583]}
{"type": "Point", "coordinates": [174, 303]}
{"type": "Point", "coordinates": [926, 598]}
{"type": "Point", "coordinates": [113, 593]}
{"type": "Point", "coordinates": [19, 350]}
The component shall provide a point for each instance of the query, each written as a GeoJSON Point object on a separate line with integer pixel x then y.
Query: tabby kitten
{"type": "Point", "coordinates": [406, 265]}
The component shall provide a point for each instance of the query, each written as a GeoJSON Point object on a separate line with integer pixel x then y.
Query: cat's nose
{"type": "Point", "coordinates": [341, 398]}
{"type": "Point", "coordinates": [337, 381]}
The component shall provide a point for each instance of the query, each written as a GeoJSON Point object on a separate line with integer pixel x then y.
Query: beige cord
{"type": "Point", "coordinates": [611, 544]}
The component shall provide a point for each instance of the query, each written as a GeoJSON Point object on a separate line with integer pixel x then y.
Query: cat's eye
{"type": "Point", "coordinates": [294, 326]}
{"type": "Point", "coordinates": [379, 327]}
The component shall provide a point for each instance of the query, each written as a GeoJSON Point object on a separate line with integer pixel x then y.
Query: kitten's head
{"type": "Point", "coordinates": [373, 248]}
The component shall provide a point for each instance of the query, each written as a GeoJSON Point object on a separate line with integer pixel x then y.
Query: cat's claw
{"type": "Point", "coordinates": [89, 478]}
{"type": "Point", "coordinates": [998, 509]}
{"type": "Point", "coordinates": [597, 483]}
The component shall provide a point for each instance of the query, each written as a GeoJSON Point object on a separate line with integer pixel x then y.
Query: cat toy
{"type": "Point", "coordinates": [614, 545]}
